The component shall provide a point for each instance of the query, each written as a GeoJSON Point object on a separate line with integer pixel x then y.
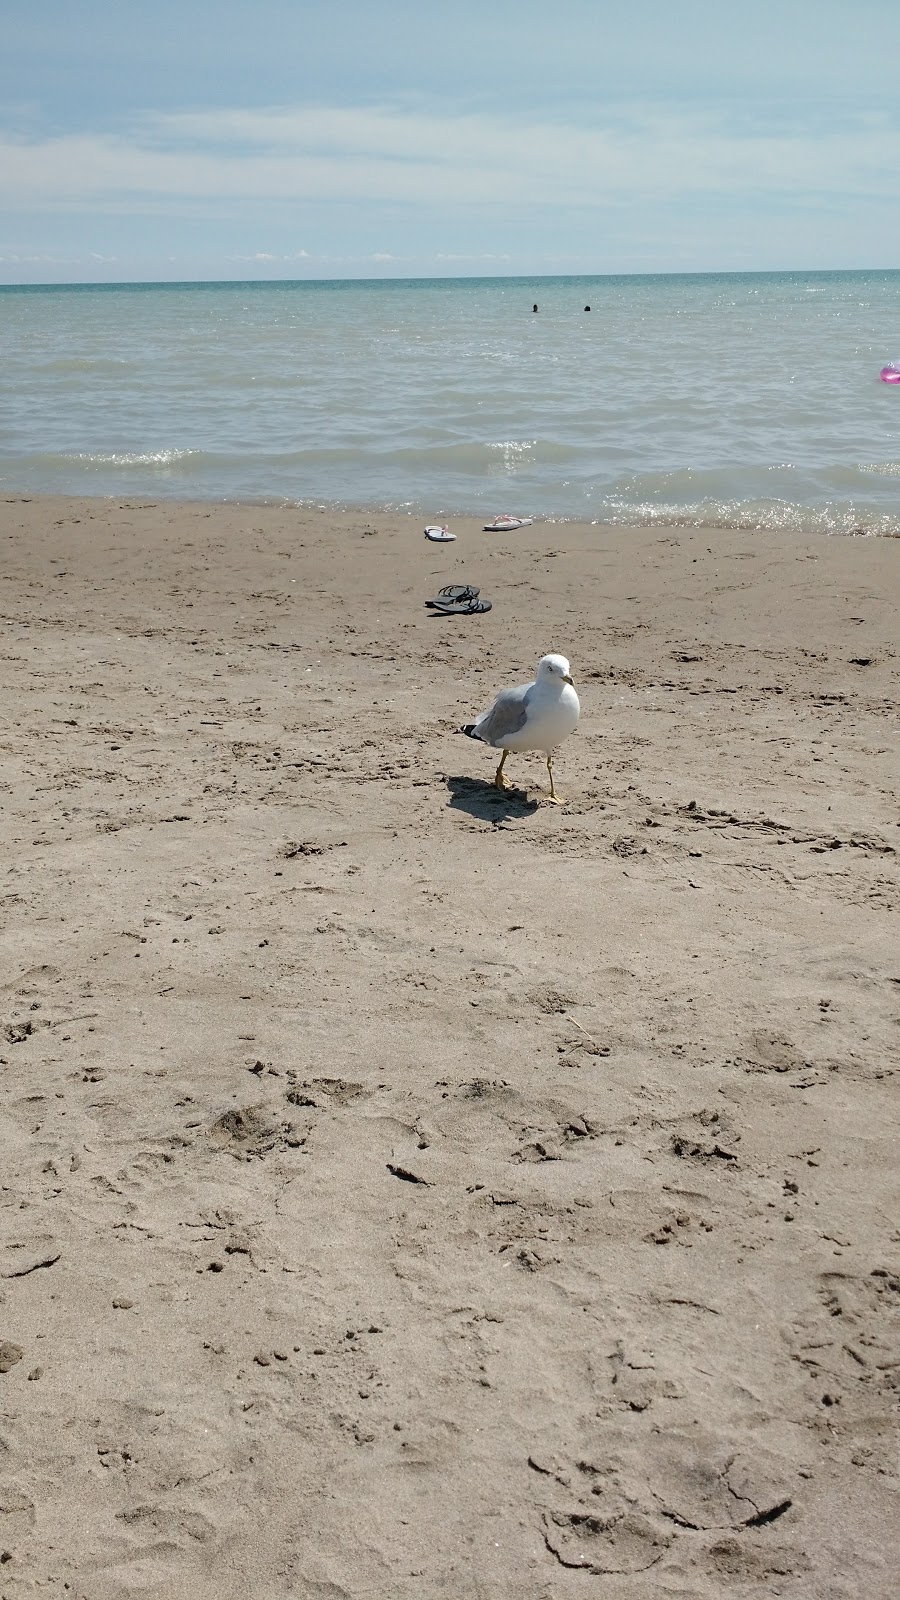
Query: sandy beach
{"type": "Point", "coordinates": [411, 1191]}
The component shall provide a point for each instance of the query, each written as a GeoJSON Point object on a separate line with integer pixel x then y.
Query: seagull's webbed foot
{"type": "Point", "coordinates": [499, 780]}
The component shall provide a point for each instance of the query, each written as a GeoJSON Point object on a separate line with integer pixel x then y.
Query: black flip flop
{"type": "Point", "coordinates": [455, 591]}
{"type": "Point", "coordinates": [460, 608]}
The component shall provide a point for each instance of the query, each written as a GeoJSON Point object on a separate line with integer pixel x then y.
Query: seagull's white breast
{"type": "Point", "coordinates": [552, 715]}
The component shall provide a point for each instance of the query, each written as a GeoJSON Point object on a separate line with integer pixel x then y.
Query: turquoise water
{"type": "Point", "coordinates": [744, 399]}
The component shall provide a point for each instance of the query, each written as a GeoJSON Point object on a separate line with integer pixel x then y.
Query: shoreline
{"type": "Point", "coordinates": [414, 1190]}
{"type": "Point", "coordinates": [400, 513]}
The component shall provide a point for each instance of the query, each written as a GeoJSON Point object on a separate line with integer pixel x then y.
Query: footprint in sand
{"type": "Point", "coordinates": [250, 1132]}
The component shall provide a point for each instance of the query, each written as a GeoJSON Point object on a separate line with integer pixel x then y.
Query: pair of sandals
{"type": "Point", "coordinates": [459, 600]}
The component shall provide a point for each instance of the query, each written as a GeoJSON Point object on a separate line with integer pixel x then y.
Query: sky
{"type": "Point", "coordinates": [181, 140]}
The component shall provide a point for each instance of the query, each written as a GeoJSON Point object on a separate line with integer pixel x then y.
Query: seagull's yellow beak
{"type": "Point", "coordinates": [567, 679]}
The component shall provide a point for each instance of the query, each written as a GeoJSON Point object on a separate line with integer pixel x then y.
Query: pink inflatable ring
{"type": "Point", "coordinates": [890, 374]}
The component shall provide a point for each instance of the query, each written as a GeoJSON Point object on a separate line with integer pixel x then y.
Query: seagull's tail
{"type": "Point", "coordinates": [471, 731]}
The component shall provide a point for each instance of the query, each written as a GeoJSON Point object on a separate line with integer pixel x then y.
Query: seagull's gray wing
{"type": "Point", "coordinates": [508, 715]}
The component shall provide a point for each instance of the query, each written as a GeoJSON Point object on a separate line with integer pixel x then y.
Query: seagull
{"type": "Point", "coordinates": [534, 716]}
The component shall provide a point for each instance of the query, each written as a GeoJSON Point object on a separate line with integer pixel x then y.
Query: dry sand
{"type": "Point", "coordinates": [410, 1191]}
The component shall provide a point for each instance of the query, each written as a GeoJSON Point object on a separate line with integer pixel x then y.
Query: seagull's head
{"type": "Point", "coordinates": [554, 669]}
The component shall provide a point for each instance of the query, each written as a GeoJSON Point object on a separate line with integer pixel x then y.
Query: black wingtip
{"type": "Point", "coordinates": [469, 731]}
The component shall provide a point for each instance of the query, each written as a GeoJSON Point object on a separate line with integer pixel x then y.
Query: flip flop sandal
{"type": "Point", "coordinates": [461, 608]}
{"type": "Point", "coordinates": [455, 591]}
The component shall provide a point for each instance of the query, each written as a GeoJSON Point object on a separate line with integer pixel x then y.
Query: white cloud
{"type": "Point", "coordinates": [268, 255]}
{"type": "Point", "coordinates": [34, 261]}
{"type": "Point", "coordinates": [407, 156]}
{"type": "Point", "coordinates": [484, 255]}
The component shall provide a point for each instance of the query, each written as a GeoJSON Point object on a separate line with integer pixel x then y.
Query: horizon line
{"type": "Point", "coordinates": [476, 277]}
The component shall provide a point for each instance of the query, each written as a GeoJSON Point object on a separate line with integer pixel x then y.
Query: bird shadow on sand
{"type": "Point", "coordinates": [482, 800]}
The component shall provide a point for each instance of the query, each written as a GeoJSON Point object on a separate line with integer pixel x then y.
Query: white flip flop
{"type": "Point", "coordinates": [504, 524]}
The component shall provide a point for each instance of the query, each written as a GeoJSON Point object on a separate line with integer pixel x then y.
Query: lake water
{"type": "Point", "coordinates": [739, 399]}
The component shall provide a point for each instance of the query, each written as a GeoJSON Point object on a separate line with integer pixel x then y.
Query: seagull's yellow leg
{"type": "Point", "coordinates": [499, 780]}
{"type": "Point", "coordinates": [555, 799]}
